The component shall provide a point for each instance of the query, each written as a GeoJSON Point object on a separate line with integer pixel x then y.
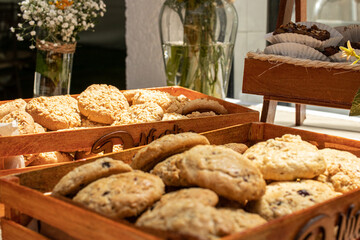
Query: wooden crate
{"type": "Point", "coordinates": [102, 138]}
{"type": "Point", "coordinates": [23, 196]}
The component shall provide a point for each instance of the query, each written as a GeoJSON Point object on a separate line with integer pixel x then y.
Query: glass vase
{"type": "Point", "coordinates": [198, 38]}
{"type": "Point", "coordinates": [53, 68]}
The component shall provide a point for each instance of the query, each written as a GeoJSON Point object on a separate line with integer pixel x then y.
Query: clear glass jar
{"type": "Point", "coordinates": [53, 69]}
{"type": "Point", "coordinates": [198, 38]}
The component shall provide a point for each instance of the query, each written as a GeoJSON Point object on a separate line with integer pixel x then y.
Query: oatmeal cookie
{"type": "Point", "coordinates": [282, 198]}
{"type": "Point", "coordinates": [197, 114]}
{"type": "Point", "coordinates": [122, 195]}
{"type": "Point", "coordinates": [173, 116]}
{"type": "Point", "coordinates": [242, 220]}
{"type": "Point", "coordinates": [203, 105]}
{"type": "Point", "coordinates": [342, 170]}
{"type": "Point", "coordinates": [56, 112]}
{"type": "Point", "coordinates": [166, 101]}
{"type": "Point", "coordinates": [100, 103]}
{"type": "Point", "coordinates": [237, 147]}
{"type": "Point", "coordinates": [81, 176]}
{"type": "Point", "coordinates": [169, 172]}
{"type": "Point", "coordinates": [8, 107]}
{"type": "Point", "coordinates": [48, 158]}
{"type": "Point", "coordinates": [222, 170]}
{"type": "Point", "coordinates": [24, 120]}
{"type": "Point", "coordinates": [146, 158]}
{"type": "Point", "coordinates": [286, 158]}
{"type": "Point", "coordinates": [188, 219]}
{"type": "Point", "coordinates": [139, 113]}
{"type": "Point", "coordinates": [86, 123]}
{"type": "Point", "coordinates": [38, 128]}
{"type": "Point", "coordinates": [129, 94]}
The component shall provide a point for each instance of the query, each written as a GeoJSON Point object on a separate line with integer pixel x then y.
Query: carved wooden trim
{"type": "Point", "coordinates": [105, 143]}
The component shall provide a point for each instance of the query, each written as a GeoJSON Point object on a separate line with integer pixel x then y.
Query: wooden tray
{"type": "Point", "coordinates": [23, 196]}
{"type": "Point", "coordinates": [97, 138]}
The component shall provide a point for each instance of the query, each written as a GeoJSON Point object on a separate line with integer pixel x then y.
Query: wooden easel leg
{"type": "Point", "coordinates": [300, 114]}
{"type": "Point", "coordinates": [268, 111]}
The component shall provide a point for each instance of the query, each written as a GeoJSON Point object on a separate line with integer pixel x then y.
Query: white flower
{"type": "Point", "coordinates": [42, 41]}
{"type": "Point", "coordinates": [31, 23]}
{"type": "Point", "coordinates": [55, 44]}
{"type": "Point", "coordinates": [12, 29]}
{"type": "Point", "coordinates": [20, 38]}
{"type": "Point", "coordinates": [20, 25]}
{"type": "Point", "coordinates": [32, 47]}
{"type": "Point", "coordinates": [40, 23]}
{"type": "Point", "coordinates": [32, 33]}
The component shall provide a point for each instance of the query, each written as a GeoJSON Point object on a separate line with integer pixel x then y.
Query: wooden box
{"type": "Point", "coordinates": [100, 138]}
{"type": "Point", "coordinates": [24, 196]}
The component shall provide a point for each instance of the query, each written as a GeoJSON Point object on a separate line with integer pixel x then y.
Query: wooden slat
{"type": "Point", "coordinates": [13, 231]}
{"type": "Point", "coordinates": [300, 11]}
{"type": "Point", "coordinates": [285, 11]}
{"type": "Point", "coordinates": [268, 111]}
{"type": "Point", "coordinates": [75, 221]}
{"type": "Point", "coordinates": [300, 114]}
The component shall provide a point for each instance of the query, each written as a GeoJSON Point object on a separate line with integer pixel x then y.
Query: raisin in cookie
{"type": "Point", "coordinates": [122, 195]}
{"type": "Point", "coordinates": [222, 170]}
{"type": "Point", "coordinates": [140, 113]}
{"type": "Point", "coordinates": [146, 158]}
{"type": "Point", "coordinates": [282, 198]}
{"type": "Point", "coordinates": [24, 120]}
{"type": "Point", "coordinates": [286, 158]}
{"type": "Point", "coordinates": [100, 102]}
{"type": "Point", "coordinates": [188, 219]}
{"type": "Point", "coordinates": [8, 107]}
{"type": "Point", "coordinates": [342, 170]}
{"type": "Point", "coordinates": [169, 172]}
{"type": "Point", "coordinates": [56, 112]}
{"type": "Point", "coordinates": [81, 176]}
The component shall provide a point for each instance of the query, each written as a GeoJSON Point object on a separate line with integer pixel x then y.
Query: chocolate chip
{"type": "Point", "coordinates": [105, 193]}
{"type": "Point", "coordinates": [303, 193]}
{"type": "Point", "coordinates": [278, 203]}
{"type": "Point", "coordinates": [105, 164]}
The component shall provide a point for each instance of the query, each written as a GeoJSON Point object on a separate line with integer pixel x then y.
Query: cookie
{"type": "Point", "coordinates": [188, 220]}
{"type": "Point", "coordinates": [200, 195]}
{"type": "Point", "coordinates": [237, 147]}
{"type": "Point", "coordinates": [286, 158]}
{"type": "Point", "coordinates": [100, 102]}
{"type": "Point", "coordinates": [146, 158]}
{"type": "Point", "coordinates": [222, 170]}
{"type": "Point", "coordinates": [140, 113]}
{"type": "Point", "coordinates": [129, 94]}
{"type": "Point", "coordinates": [89, 124]}
{"type": "Point", "coordinates": [81, 176]}
{"type": "Point", "coordinates": [241, 219]}
{"type": "Point", "coordinates": [122, 195]}
{"type": "Point", "coordinates": [203, 105]}
{"type": "Point", "coordinates": [8, 107]}
{"type": "Point", "coordinates": [38, 128]}
{"type": "Point", "coordinates": [173, 116]}
{"type": "Point", "coordinates": [282, 198]}
{"type": "Point", "coordinates": [166, 101]}
{"type": "Point", "coordinates": [342, 170]}
{"type": "Point", "coordinates": [56, 112]}
{"type": "Point", "coordinates": [26, 124]}
{"type": "Point", "coordinates": [48, 158]}
{"type": "Point", "coordinates": [169, 172]}
{"type": "Point", "coordinates": [197, 114]}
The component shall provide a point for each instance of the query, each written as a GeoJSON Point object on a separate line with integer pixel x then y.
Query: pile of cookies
{"type": "Point", "coordinates": [181, 184]}
{"type": "Point", "coordinates": [100, 105]}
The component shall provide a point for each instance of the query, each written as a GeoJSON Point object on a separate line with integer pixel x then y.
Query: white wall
{"type": "Point", "coordinates": [144, 62]}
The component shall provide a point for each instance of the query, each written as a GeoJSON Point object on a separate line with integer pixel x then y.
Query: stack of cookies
{"type": "Point", "coordinates": [181, 185]}
{"type": "Point", "coordinates": [99, 105]}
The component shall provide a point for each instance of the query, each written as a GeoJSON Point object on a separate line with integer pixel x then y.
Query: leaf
{"type": "Point", "coordinates": [355, 107]}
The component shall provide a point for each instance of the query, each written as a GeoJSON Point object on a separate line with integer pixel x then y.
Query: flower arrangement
{"type": "Point", "coordinates": [57, 20]}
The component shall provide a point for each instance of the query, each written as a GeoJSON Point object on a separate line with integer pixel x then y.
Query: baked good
{"type": "Point", "coordinates": [158, 150]}
{"type": "Point", "coordinates": [24, 120]}
{"type": "Point", "coordinates": [169, 172]}
{"type": "Point", "coordinates": [313, 31]}
{"type": "Point", "coordinates": [129, 94]}
{"type": "Point", "coordinates": [56, 112]}
{"type": "Point", "coordinates": [173, 116]}
{"type": "Point", "coordinates": [282, 198]}
{"type": "Point", "coordinates": [222, 170]}
{"type": "Point", "coordinates": [200, 195]}
{"type": "Point", "coordinates": [8, 107]}
{"type": "Point", "coordinates": [139, 113]}
{"type": "Point", "coordinates": [329, 51]}
{"type": "Point", "coordinates": [100, 103]}
{"type": "Point", "coordinates": [197, 114]}
{"type": "Point", "coordinates": [286, 158]}
{"type": "Point", "coordinates": [48, 158]}
{"type": "Point", "coordinates": [166, 101]}
{"type": "Point", "coordinates": [85, 122]}
{"type": "Point", "coordinates": [122, 195]}
{"type": "Point", "coordinates": [241, 219]}
{"type": "Point", "coordinates": [203, 105]}
{"type": "Point", "coordinates": [38, 128]}
{"type": "Point", "coordinates": [188, 220]}
{"type": "Point", "coordinates": [342, 170]}
{"type": "Point", "coordinates": [237, 147]}
{"type": "Point", "coordinates": [81, 176]}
